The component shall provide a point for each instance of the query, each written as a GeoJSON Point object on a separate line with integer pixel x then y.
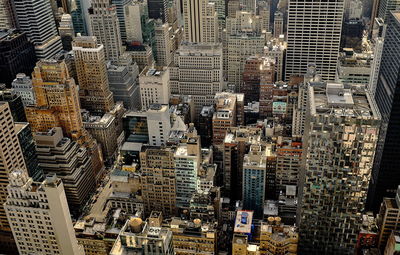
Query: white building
{"type": "Point", "coordinates": [22, 85]}
{"type": "Point", "coordinates": [39, 216]}
{"type": "Point", "coordinates": [163, 45]}
{"type": "Point", "coordinates": [154, 86]}
{"type": "Point", "coordinates": [158, 124]}
{"type": "Point", "coordinates": [276, 49]}
{"type": "Point", "coordinates": [133, 25]}
{"type": "Point", "coordinates": [248, 5]}
{"type": "Point", "coordinates": [197, 71]}
{"type": "Point", "coordinates": [201, 21]}
{"type": "Point", "coordinates": [310, 43]}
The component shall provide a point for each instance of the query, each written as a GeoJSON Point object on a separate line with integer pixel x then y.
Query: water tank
{"type": "Point", "coordinates": [135, 225]}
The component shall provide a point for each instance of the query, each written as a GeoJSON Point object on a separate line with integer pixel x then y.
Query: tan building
{"type": "Point", "coordinates": [11, 158]}
{"type": "Point", "coordinates": [158, 180]}
{"type": "Point", "coordinates": [193, 238]}
{"type": "Point", "coordinates": [278, 239]}
{"type": "Point", "coordinates": [154, 86]}
{"type": "Point", "coordinates": [91, 68]}
{"type": "Point", "coordinates": [388, 219]}
{"type": "Point", "coordinates": [267, 81]}
{"type": "Point", "coordinates": [241, 246]}
{"type": "Point", "coordinates": [164, 53]}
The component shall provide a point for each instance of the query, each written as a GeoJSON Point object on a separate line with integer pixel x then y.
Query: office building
{"type": "Point", "coordinates": [334, 180]}
{"type": "Point", "coordinates": [17, 55]}
{"type": "Point", "coordinates": [141, 54]}
{"type": "Point", "coordinates": [204, 127]}
{"type": "Point", "coordinates": [278, 24]}
{"type": "Point", "coordinates": [22, 85]}
{"type": "Point", "coordinates": [154, 86]}
{"type": "Point", "coordinates": [158, 180]}
{"type": "Point", "coordinates": [42, 206]}
{"type": "Point", "coordinates": [120, 10]}
{"type": "Point", "coordinates": [393, 245]}
{"type": "Point", "coordinates": [163, 44]}
{"type": "Point", "coordinates": [15, 103]}
{"type": "Point", "coordinates": [145, 238]}
{"type": "Point", "coordinates": [248, 5]}
{"type": "Point", "coordinates": [388, 219]}
{"type": "Point", "coordinates": [197, 71]}
{"type": "Point", "coordinates": [135, 16]}
{"type": "Point", "coordinates": [385, 7]}
{"type": "Point", "coordinates": [124, 84]}
{"type": "Point", "coordinates": [384, 179]}
{"type": "Point", "coordinates": [7, 18]}
{"type": "Point", "coordinates": [66, 31]}
{"type": "Point", "coordinates": [224, 116]}
{"type": "Point", "coordinates": [267, 79]}
{"type": "Point", "coordinates": [378, 35]}
{"type": "Point", "coordinates": [201, 21]}
{"type": "Point", "coordinates": [28, 147]}
{"type": "Point", "coordinates": [318, 44]}
{"type": "Point", "coordinates": [35, 18]}
{"type": "Point", "coordinates": [11, 157]}
{"type": "Point", "coordinates": [105, 27]}
{"type": "Point", "coordinates": [354, 67]}
{"type": "Point", "coordinates": [71, 162]}
{"type": "Point", "coordinates": [158, 9]}
{"type": "Point", "coordinates": [79, 17]}
{"type": "Point", "coordinates": [95, 94]}
{"type": "Point", "coordinates": [277, 238]}
{"type": "Point", "coordinates": [276, 50]}
{"type": "Point", "coordinates": [193, 237]}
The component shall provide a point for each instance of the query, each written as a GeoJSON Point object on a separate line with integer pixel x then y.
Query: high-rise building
{"type": "Point", "coordinates": [71, 162]}
{"type": "Point", "coordinates": [22, 85]}
{"type": "Point", "coordinates": [66, 31]}
{"type": "Point", "coordinates": [264, 11]}
{"type": "Point", "coordinates": [276, 49]}
{"type": "Point", "coordinates": [163, 44]}
{"type": "Point", "coordinates": [384, 178]}
{"type": "Point", "coordinates": [17, 55]}
{"type": "Point", "coordinates": [90, 63]}
{"type": "Point", "coordinates": [11, 158]}
{"type": "Point", "coordinates": [201, 21]}
{"type": "Point", "coordinates": [393, 245]}
{"type": "Point", "coordinates": [43, 207]}
{"type": "Point", "coordinates": [197, 71]}
{"type": "Point", "coordinates": [308, 43]}
{"type": "Point", "coordinates": [154, 86]}
{"type": "Point", "coordinates": [105, 27]}
{"type": "Point", "coordinates": [7, 19]}
{"type": "Point", "coordinates": [249, 5]}
{"type": "Point", "coordinates": [120, 9]}
{"type": "Point", "coordinates": [278, 24]}
{"type": "Point", "coordinates": [354, 68]}
{"type": "Point", "coordinates": [79, 18]}
{"type": "Point", "coordinates": [28, 147]}
{"type": "Point", "coordinates": [158, 124]}
{"type": "Point", "coordinates": [15, 102]}
{"type": "Point", "coordinates": [267, 79]}
{"type": "Point", "coordinates": [378, 38]}
{"type": "Point", "coordinates": [35, 18]}
{"type": "Point", "coordinates": [388, 219]}
{"type": "Point", "coordinates": [158, 9]}
{"type": "Point", "coordinates": [158, 180]}
{"type": "Point", "coordinates": [277, 238]}
{"type": "Point", "coordinates": [385, 7]}
{"type": "Point", "coordinates": [204, 126]}
{"type": "Point", "coordinates": [336, 170]}
{"type": "Point", "coordinates": [139, 28]}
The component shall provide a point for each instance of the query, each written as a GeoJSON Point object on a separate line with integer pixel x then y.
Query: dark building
{"type": "Point", "coordinates": [157, 9]}
{"type": "Point", "coordinates": [386, 173]}
{"type": "Point", "coordinates": [15, 103]}
{"type": "Point", "coordinates": [17, 55]}
{"type": "Point", "coordinates": [28, 147]}
{"type": "Point", "coordinates": [204, 125]}
{"type": "Point", "coordinates": [352, 33]}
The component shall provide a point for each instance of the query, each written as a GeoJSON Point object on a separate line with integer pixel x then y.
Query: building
{"type": "Point", "coordinates": [254, 179]}
{"type": "Point", "coordinates": [354, 67]}
{"type": "Point", "coordinates": [158, 180]}
{"type": "Point", "coordinates": [154, 86]}
{"type": "Point", "coordinates": [276, 49]}
{"type": "Point", "coordinates": [71, 162]}
{"type": "Point", "coordinates": [224, 116]}
{"type": "Point", "coordinates": [204, 127]}
{"type": "Point", "coordinates": [393, 246]}
{"type": "Point", "coordinates": [163, 44]}
{"type": "Point", "coordinates": [378, 41]}
{"type": "Point", "coordinates": [17, 55]}
{"type": "Point", "coordinates": [44, 204]}
{"type": "Point", "coordinates": [120, 10]}
{"type": "Point", "coordinates": [28, 147]}
{"type": "Point", "coordinates": [385, 7]}
{"type": "Point", "coordinates": [278, 24]}
{"type": "Point", "coordinates": [267, 79]}
{"type": "Point", "coordinates": [79, 17]}
{"type": "Point", "coordinates": [201, 21]}
{"type": "Point", "coordinates": [158, 10]}
{"type": "Point", "coordinates": [66, 31]}
{"type": "Point", "coordinates": [141, 54]}
{"type": "Point", "coordinates": [11, 157]}
{"type": "Point", "coordinates": [15, 103]}
{"type": "Point", "coordinates": [277, 238]}
{"type": "Point", "coordinates": [145, 238]}
{"type": "Point", "coordinates": [333, 184]}
{"type": "Point", "coordinates": [313, 46]}
{"type": "Point", "coordinates": [158, 124]}
{"type": "Point", "coordinates": [35, 18]}
{"type": "Point", "coordinates": [105, 27]}
{"type": "Point", "coordinates": [139, 28]}
{"type": "Point", "coordinates": [388, 219]}
{"type": "Point", "coordinates": [384, 181]}
{"type": "Point", "coordinates": [197, 71]}
{"type": "Point", "coordinates": [95, 94]}
{"type": "Point", "coordinates": [194, 238]}
{"type": "Point", "coordinates": [22, 85]}
{"type": "Point", "coordinates": [7, 17]}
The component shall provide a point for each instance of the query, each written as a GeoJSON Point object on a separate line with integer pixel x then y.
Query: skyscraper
{"type": "Point", "coordinates": [158, 9]}
{"type": "Point", "coordinates": [91, 68]}
{"type": "Point", "coordinates": [278, 24]}
{"type": "Point", "coordinates": [66, 31]}
{"type": "Point", "coordinates": [386, 177]}
{"type": "Point", "coordinates": [105, 27]}
{"type": "Point", "coordinates": [120, 7]}
{"type": "Point", "coordinates": [154, 86]}
{"type": "Point", "coordinates": [385, 7]}
{"type": "Point", "coordinates": [201, 21]}
{"type": "Point", "coordinates": [50, 228]}
{"type": "Point", "coordinates": [163, 44]}
{"type": "Point", "coordinates": [35, 18]}
{"type": "Point", "coordinates": [342, 126]}
{"type": "Point", "coordinates": [7, 19]}
{"type": "Point", "coordinates": [311, 43]}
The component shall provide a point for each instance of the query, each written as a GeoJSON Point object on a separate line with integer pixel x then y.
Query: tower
{"type": "Point", "coordinates": [308, 43]}
{"type": "Point", "coordinates": [278, 24]}
{"type": "Point", "coordinates": [158, 9]}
